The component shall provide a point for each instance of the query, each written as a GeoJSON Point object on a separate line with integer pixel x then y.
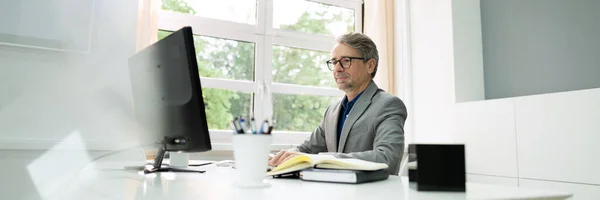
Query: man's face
{"type": "Point", "coordinates": [356, 75]}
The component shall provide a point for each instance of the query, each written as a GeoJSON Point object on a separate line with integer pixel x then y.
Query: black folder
{"type": "Point", "coordinates": [343, 176]}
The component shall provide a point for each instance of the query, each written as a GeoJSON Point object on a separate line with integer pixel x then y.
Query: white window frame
{"type": "Point", "coordinates": [264, 36]}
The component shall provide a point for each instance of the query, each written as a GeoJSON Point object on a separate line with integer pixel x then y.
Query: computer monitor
{"type": "Point", "coordinates": [167, 97]}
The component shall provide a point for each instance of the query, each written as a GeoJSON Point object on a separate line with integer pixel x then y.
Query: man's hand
{"type": "Point", "coordinates": [281, 157]}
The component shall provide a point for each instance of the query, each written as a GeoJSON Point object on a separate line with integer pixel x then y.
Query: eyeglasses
{"type": "Point", "coordinates": [345, 62]}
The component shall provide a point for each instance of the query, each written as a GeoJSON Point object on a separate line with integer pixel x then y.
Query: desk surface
{"type": "Point", "coordinates": [109, 181]}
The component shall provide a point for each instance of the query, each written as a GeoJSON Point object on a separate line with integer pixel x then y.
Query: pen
{"type": "Point", "coordinates": [232, 124]}
{"type": "Point", "coordinates": [270, 129]}
{"type": "Point", "coordinates": [244, 126]}
{"type": "Point", "coordinates": [263, 129]}
{"type": "Point", "coordinates": [238, 127]}
{"type": "Point", "coordinates": [253, 125]}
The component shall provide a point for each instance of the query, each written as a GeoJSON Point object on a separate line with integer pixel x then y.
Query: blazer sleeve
{"type": "Point", "coordinates": [316, 142]}
{"type": "Point", "coordinates": [388, 145]}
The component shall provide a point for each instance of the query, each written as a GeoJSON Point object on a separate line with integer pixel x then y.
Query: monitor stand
{"type": "Point", "coordinates": [157, 166]}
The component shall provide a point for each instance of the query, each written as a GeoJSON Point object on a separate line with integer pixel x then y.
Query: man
{"type": "Point", "coordinates": [368, 123]}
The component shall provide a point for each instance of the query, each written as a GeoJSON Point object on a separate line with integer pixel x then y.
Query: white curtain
{"type": "Point", "coordinates": [379, 25]}
{"type": "Point", "coordinates": [147, 23]}
{"type": "Point", "coordinates": [147, 34]}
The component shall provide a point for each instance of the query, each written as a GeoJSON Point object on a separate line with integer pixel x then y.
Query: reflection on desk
{"type": "Point", "coordinates": [108, 181]}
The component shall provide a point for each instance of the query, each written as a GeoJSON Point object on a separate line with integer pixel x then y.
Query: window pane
{"type": "Point", "coordinates": [299, 112]}
{"type": "Point", "coordinates": [223, 105]}
{"type": "Point", "coordinates": [312, 17]}
{"type": "Point", "coordinates": [301, 66]}
{"type": "Point", "coordinates": [241, 11]}
{"type": "Point", "coordinates": [221, 58]}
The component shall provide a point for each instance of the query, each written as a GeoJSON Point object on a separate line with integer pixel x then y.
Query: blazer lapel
{"type": "Point", "coordinates": [359, 107]}
{"type": "Point", "coordinates": [331, 128]}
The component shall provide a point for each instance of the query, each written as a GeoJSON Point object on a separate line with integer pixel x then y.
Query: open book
{"type": "Point", "coordinates": [306, 161]}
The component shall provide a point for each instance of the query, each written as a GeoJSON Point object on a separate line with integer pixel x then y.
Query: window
{"type": "Point", "coordinates": [264, 58]}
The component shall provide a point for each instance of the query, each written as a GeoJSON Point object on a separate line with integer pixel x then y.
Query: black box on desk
{"type": "Point", "coordinates": [439, 167]}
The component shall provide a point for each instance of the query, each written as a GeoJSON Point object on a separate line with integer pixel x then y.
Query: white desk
{"type": "Point", "coordinates": [107, 181]}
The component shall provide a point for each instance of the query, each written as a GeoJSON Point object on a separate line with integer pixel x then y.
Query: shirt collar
{"type": "Point", "coordinates": [346, 104]}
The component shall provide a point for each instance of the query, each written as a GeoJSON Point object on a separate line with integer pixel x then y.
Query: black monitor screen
{"type": "Point", "coordinates": [167, 94]}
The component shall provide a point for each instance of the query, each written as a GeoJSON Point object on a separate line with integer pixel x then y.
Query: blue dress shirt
{"type": "Point", "coordinates": [346, 107]}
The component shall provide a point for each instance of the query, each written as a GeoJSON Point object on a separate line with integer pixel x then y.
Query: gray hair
{"type": "Point", "coordinates": [365, 46]}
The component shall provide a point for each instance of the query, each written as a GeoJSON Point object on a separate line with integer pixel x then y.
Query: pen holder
{"type": "Point", "coordinates": [251, 153]}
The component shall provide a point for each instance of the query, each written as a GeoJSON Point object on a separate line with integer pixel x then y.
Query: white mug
{"type": "Point", "coordinates": [251, 154]}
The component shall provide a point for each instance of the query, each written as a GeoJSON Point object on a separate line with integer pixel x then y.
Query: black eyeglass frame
{"type": "Point", "coordinates": [331, 63]}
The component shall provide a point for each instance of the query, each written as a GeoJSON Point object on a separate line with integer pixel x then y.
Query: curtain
{"type": "Point", "coordinates": [379, 26]}
{"type": "Point", "coordinates": [147, 23]}
{"type": "Point", "coordinates": [147, 34]}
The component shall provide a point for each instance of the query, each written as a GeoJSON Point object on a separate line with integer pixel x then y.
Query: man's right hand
{"type": "Point", "coordinates": [281, 157]}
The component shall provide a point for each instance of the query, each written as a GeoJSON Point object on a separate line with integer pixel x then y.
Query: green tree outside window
{"type": "Point", "coordinates": [230, 59]}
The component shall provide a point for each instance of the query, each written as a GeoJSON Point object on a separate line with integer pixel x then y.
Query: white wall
{"type": "Point", "coordinates": [546, 141]}
{"type": "Point", "coordinates": [46, 96]}
{"type": "Point", "coordinates": [558, 135]}
{"type": "Point", "coordinates": [432, 59]}
{"type": "Point", "coordinates": [488, 130]}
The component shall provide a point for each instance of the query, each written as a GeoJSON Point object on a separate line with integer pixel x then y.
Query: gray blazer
{"type": "Point", "coordinates": [373, 130]}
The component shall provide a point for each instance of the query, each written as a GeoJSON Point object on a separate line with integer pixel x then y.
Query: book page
{"type": "Point", "coordinates": [352, 164]}
{"type": "Point", "coordinates": [316, 159]}
{"type": "Point", "coordinates": [296, 160]}
{"type": "Point", "coordinates": [293, 168]}
{"type": "Point", "coordinates": [301, 162]}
